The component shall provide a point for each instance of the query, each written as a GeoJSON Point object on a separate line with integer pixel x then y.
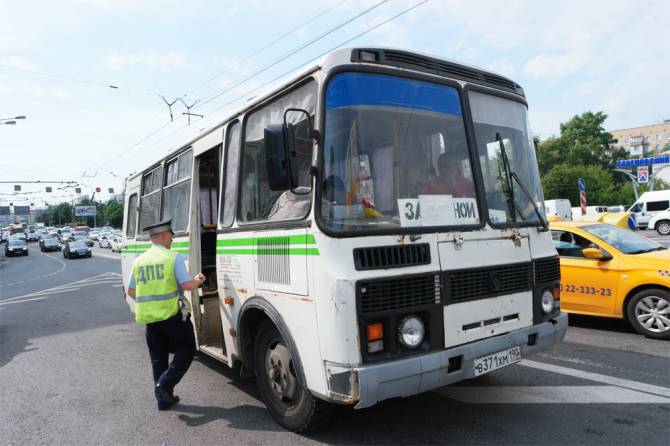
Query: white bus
{"type": "Point", "coordinates": [372, 228]}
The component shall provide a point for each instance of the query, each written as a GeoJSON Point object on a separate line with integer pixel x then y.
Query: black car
{"type": "Point", "coordinates": [16, 246]}
{"type": "Point", "coordinates": [76, 249]}
{"type": "Point", "coordinates": [50, 244]}
{"type": "Point", "coordinates": [83, 238]}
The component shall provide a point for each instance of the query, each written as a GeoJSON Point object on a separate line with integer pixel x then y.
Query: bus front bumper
{"type": "Point", "coordinates": [411, 376]}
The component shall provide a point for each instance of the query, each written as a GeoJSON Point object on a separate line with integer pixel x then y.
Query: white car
{"type": "Point", "coordinates": [661, 222]}
{"type": "Point", "coordinates": [104, 242]}
{"type": "Point", "coordinates": [116, 244]}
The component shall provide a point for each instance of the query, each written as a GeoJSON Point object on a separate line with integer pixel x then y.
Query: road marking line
{"type": "Point", "coordinates": [20, 301]}
{"type": "Point", "coordinates": [550, 395]}
{"type": "Point", "coordinates": [108, 277]}
{"type": "Point", "coordinates": [597, 377]}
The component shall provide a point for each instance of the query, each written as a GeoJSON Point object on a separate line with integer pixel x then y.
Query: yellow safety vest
{"type": "Point", "coordinates": [156, 289]}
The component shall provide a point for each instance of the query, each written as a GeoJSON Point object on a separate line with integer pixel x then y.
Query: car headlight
{"type": "Point", "coordinates": [411, 331]}
{"type": "Point", "coordinates": [547, 301]}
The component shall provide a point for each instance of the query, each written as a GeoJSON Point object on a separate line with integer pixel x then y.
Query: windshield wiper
{"type": "Point", "coordinates": [511, 174]}
{"type": "Point", "coordinates": [508, 190]}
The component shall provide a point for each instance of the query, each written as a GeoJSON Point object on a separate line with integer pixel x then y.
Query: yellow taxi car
{"type": "Point", "coordinates": [613, 272]}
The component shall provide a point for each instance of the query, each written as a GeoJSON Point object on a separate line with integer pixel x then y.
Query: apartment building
{"type": "Point", "coordinates": [646, 140]}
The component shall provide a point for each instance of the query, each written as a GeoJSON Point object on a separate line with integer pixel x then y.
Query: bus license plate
{"type": "Point", "coordinates": [497, 360]}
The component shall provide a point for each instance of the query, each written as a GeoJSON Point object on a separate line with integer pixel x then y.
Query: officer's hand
{"type": "Point", "coordinates": [200, 277]}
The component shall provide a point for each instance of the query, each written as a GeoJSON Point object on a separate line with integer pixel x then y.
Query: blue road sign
{"type": "Point", "coordinates": [665, 159]}
{"type": "Point", "coordinates": [581, 184]}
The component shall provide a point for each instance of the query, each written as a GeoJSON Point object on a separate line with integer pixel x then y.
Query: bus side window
{"type": "Point", "coordinates": [132, 216]}
{"type": "Point", "coordinates": [229, 171]}
{"type": "Point", "coordinates": [177, 190]}
{"type": "Point", "coordinates": [257, 201]}
{"type": "Point", "coordinates": [150, 203]}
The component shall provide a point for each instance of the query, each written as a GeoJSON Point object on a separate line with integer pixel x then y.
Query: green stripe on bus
{"type": "Point", "coordinates": [252, 241]}
{"type": "Point", "coordinates": [271, 251]}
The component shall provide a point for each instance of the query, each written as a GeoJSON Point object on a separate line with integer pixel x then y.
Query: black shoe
{"type": "Point", "coordinates": [166, 398]}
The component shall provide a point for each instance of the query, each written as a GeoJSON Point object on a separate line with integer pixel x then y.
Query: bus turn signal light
{"type": "Point", "coordinates": [375, 331]}
{"type": "Point", "coordinates": [228, 300]}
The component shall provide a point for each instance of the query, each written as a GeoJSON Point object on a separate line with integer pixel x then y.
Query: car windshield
{"type": "Point", "coordinates": [498, 120]}
{"type": "Point", "coordinates": [395, 155]}
{"type": "Point", "coordinates": [78, 245]}
{"type": "Point", "coordinates": [50, 240]}
{"type": "Point", "coordinates": [624, 240]}
{"type": "Point", "coordinates": [16, 242]}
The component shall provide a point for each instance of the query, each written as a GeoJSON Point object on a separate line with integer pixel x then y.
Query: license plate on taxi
{"type": "Point", "coordinates": [497, 360]}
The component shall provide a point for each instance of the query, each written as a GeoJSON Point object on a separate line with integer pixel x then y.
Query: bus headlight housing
{"type": "Point", "coordinates": [411, 331]}
{"type": "Point", "coordinates": [547, 301]}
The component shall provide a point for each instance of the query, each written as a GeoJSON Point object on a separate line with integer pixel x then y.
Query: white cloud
{"type": "Point", "coordinates": [553, 66]}
{"type": "Point", "coordinates": [18, 62]}
{"type": "Point", "coordinates": [161, 61]}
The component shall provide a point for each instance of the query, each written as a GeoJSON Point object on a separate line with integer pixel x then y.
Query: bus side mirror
{"type": "Point", "coordinates": [300, 138]}
{"type": "Point", "coordinates": [276, 161]}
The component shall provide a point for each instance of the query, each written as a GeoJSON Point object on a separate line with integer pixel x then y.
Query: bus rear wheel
{"type": "Point", "coordinates": [285, 396]}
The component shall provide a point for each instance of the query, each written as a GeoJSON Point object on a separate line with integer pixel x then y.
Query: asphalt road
{"type": "Point", "coordinates": [74, 369]}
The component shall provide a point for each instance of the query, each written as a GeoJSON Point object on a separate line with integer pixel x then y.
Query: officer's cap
{"type": "Point", "coordinates": [157, 228]}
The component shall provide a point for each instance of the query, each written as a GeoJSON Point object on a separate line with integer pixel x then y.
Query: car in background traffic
{"type": "Point", "coordinates": [76, 248]}
{"type": "Point", "coordinates": [83, 238]}
{"type": "Point", "coordinates": [116, 244]}
{"type": "Point", "coordinates": [104, 241]}
{"type": "Point", "coordinates": [16, 246]}
{"type": "Point", "coordinates": [50, 244]}
{"type": "Point", "coordinates": [661, 222]}
{"type": "Point", "coordinates": [613, 272]}
{"type": "Point", "coordinates": [32, 237]}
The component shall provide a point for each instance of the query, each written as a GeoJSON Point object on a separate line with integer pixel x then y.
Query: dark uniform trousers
{"type": "Point", "coordinates": [164, 337]}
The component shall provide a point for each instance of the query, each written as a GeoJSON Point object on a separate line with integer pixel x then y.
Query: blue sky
{"type": "Point", "coordinates": [57, 58]}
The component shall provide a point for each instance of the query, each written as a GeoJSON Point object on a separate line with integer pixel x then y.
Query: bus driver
{"type": "Point", "coordinates": [450, 180]}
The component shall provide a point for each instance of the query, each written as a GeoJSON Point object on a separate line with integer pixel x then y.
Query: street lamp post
{"type": "Point", "coordinates": [633, 180]}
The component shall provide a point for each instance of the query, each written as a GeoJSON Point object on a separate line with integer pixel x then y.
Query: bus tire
{"type": "Point", "coordinates": [643, 306]}
{"type": "Point", "coordinates": [288, 401]}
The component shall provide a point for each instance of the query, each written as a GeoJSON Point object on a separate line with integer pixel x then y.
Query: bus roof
{"type": "Point", "coordinates": [396, 58]}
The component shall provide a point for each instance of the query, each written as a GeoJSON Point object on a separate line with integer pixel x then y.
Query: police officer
{"type": "Point", "coordinates": [158, 278]}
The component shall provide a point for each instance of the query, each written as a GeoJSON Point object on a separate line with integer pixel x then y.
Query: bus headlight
{"type": "Point", "coordinates": [411, 331]}
{"type": "Point", "coordinates": [547, 301]}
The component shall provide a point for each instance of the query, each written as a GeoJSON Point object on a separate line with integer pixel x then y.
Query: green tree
{"type": "Point", "coordinates": [583, 140]}
{"type": "Point", "coordinates": [561, 182]}
{"type": "Point", "coordinates": [113, 213]}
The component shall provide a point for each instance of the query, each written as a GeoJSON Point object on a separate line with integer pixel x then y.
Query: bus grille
{"type": "Point", "coordinates": [384, 257]}
{"type": "Point", "coordinates": [396, 293]}
{"type": "Point", "coordinates": [547, 270]}
{"type": "Point", "coordinates": [273, 259]}
{"type": "Point", "coordinates": [481, 283]}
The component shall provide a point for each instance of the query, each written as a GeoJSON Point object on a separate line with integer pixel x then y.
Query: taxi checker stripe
{"type": "Point", "coordinates": [157, 297]}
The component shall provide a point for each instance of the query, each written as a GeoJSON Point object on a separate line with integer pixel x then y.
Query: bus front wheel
{"type": "Point", "coordinates": [288, 401]}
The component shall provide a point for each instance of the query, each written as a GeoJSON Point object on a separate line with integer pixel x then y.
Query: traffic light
{"type": "Point", "coordinates": [110, 190]}
{"type": "Point", "coordinates": [77, 190]}
{"type": "Point", "coordinates": [49, 189]}
{"type": "Point", "coordinates": [17, 188]}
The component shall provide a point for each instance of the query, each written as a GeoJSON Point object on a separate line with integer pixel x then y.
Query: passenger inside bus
{"type": "Point", "coordinates": [450, 179]}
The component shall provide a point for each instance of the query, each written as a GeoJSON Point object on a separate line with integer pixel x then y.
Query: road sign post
{"type": "Point", "coordinates": [581, 184]}
{"type": "Point", "coordinates": [642, 175]}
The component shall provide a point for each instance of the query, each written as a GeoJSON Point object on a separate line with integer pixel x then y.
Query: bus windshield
{"type": "Point", "coordinates": [503, 122]}
{"type": "Point", "coordinates": [395, 155]}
